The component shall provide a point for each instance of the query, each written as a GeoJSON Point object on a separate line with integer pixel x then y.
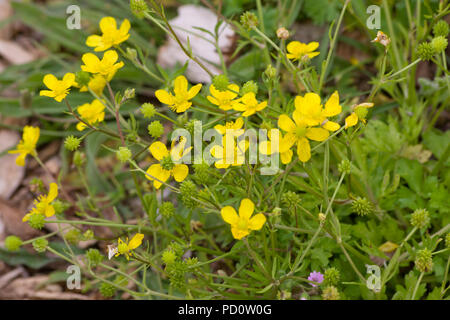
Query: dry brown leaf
{"type": "Point", "coordinates": [5, 12]}
{"type": "Point", "coordinates": [189, 18]}
{"type": "Point", "coordinates": [12, 219]}
{"type": "Point", "coordinates": [14, 53]}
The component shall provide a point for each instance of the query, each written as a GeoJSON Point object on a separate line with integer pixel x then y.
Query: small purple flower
{"type": "Point", "coordinates": [316, 277]}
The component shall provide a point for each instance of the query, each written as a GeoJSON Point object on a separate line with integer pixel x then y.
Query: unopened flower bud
{"type": "Point", "coordinates": [79, 158]}
{"type": "Point", "coordinates": [94, 257]}
{"type": "Point", "coordinates": [36, 221]}
{"type": "Point", "coordinates": [282, 33]}
{"type": "Point", "coordinates": [344, 166]}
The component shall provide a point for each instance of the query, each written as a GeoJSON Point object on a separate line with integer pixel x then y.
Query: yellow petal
{"type": "Point", "coordinates": [229, 215]}
{"type": "Point", "coordinates": [285, 123]}
{"type": "Point", "coordinates": [180, 172]}
{"type": "Point", "coordinates": [94, 41]}
{"type": "Point", "coordinates": [159, 173]}
{"type": "Point", "coordinates": [194, 90]}
{"type": "Point", "coordinates": [312, 46]}
{"type": "Point", "coordinates": [53, 192]}
{"type": "Point", "coordinates": [286, 157]}
{"type": "Point", "coordinates": [158, 150]}
{"type": "Point", "coordinates": [293, 47]}
{"type": "Point", "coordinates": [20, 160]}
{"type": "Point", "coordinates": [69, 79]}
{"type": "Point", "coordinates": [49, 211]}
{"type": "Point", "coordinates": [165, 97]}
{"type": "Point", "coordinates": [238, 234]}
{"type": "Point", "coordinates": [287, 142]}
{"type": "Point", "coordinates": [108, 25]}
{"type": "Point", "coordinates": [125, 27]}
{"type": "Point", "coordinates": [265, 147]}
{"type": "Point", "coordinates": [180, 85]}
{"type": "Point", "coordinates": [50, 81]}
{"type": "Point", "coordinates": [246, 208]}
{"type": "Point", "coordinates": [310, 104]}
{"type": "Point", "coordinates": [331, 126]}
{"type": "Point", "coordinates": [351, 120]}
{"type": "Point", "coordinates": [110, 57]}
{"type": "Point", "coordinates": [257, 222]}
{"type": "Point", "coordinates": [136, 241]}
{"type": "Point", "coordinates": [332, 107]}
{"type": "Point", "coordinates": [317, 134]}
{"type": "Point", "coordinates": [303, 150]}
{"type": "Point", "coordinates": [47, 93]}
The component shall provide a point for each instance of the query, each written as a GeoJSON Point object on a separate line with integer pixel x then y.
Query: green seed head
{"type": "Point", "coordinates": [36, 221]}
{"type": "Point", "coordinates": [362, 206]}
{"type": "Point", "coordinates": [332, 276]}
{"type": "Point", "coordinates": [13, 243]}
{"type": "Point", "coordinates": [344, 166]}
{"type": "Point", "coordinates": [167, 163]}
{"type": "Point", "coordinates": [123, 154]}
{"type": "Point", "coordinates": [139, 8]}
{"type": "Point", "coordinates": [249, 20]}
{"type": "Point", "coordinates": [72, 143]}
{"type": "Point", "coordinates": [424, 260]}
{"type": "Point", "coordinates": [441, 29]}
{"type": "Point", "coordinates": [40, 245]}
{"type": "Point", "coordinates": [439, 44]}
{"type": "Point", "coordinates": [425, 51]}
{"type": "Point", "coordinates": [249, 86]}
{"type": "Point", "coordinates": [420, 218]}
{"type": "Point", "coordinates": [148, 110]}
{"type": "Point", "coordinates": [94, 257]}
{"type": "Point", "coordinates": [155, 129]}
{"type": "Point", "coordinates": [221, 82]}
{"type": "Point", "coordinates": [107, 290]}
{"type": "Point", "coordinates": [330, 293]}
{"type": "Point", "coordinates": [169, 257]}
{"type": "Point", "coordinates": [167, 209]}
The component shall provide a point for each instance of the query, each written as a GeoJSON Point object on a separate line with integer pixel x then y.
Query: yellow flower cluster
{"type": "Point", "coordinates": [43, 205]}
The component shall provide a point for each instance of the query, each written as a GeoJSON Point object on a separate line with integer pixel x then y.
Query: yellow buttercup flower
{"type": "Point", "coordinates": [310, 110]}
{"type": "Point", "coordinates": [244, 223]}
{"type": "Point", "coordinates": [106, 67]}
{"type": "Point", "coordinates": [43, 204]}
{"type": "Point", "coordinates": [268, 147]}
{"type": "Point", "coordinates": [59, 89]}
{"type": "Point", "coordinates": [168, 162]}
{"type": "Point", "coordinates": [297, 50]}
{"type": "Point", "coordinates": [234, 128]}
{"type": "Point", "coordinates": [249, 104]}
{"type": "Point", "coordinates": [27, 145]}
{"type": "Point", "coordinates": [180, 101]}
{"type": "Point", "coordinates": [111, 36]}
{"type": "Point", "coordinates": [224, 99]}
{"type": "Point", "coordinates": [359, 113]}
{"type": "Point", "coordinates": [97, 83]}
{"type": "Point", "coordinates": [126, 248]}
{"type": "Point", "coordinates": [298, 132]}
{"type": "Point", "coordinates": [92, 113]}
{"type": "Point", "coordinates": [229, 154]}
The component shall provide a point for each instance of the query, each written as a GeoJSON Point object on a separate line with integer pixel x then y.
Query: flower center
{"type": "Point", "coordinates": [167, 163]}
{"type": "Point", "coordinates": [242, 224]}
{"type": "Point", "coordinates": [300, 132]}
{"type": "Point", "coordinates": [122, 248]}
